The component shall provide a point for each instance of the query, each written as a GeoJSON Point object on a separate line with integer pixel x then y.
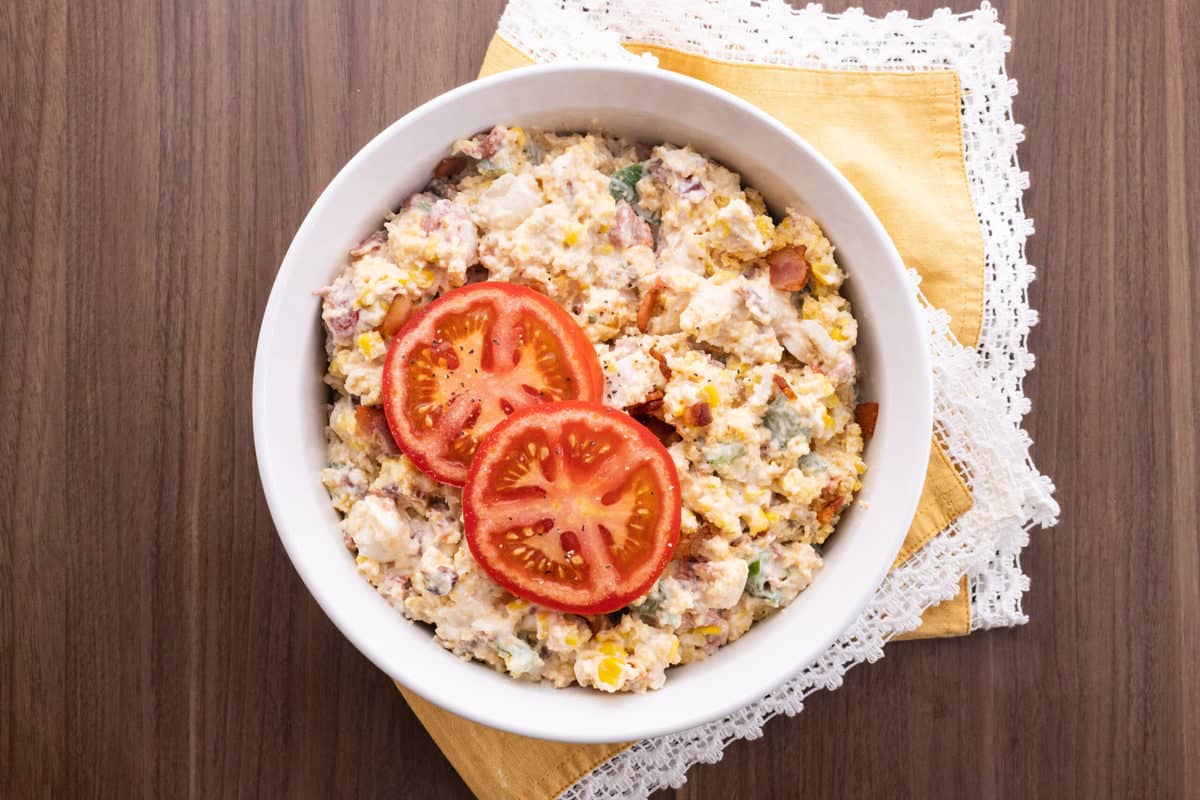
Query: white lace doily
{"type": "Point", "coordinates": [978, 396]}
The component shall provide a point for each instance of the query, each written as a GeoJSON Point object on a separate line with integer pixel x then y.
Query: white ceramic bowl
{"type": "Point", "coordinates": [654, 106]}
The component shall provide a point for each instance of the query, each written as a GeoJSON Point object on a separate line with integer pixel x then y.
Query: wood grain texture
{"type": "Point", "coordinates": [154, 641]}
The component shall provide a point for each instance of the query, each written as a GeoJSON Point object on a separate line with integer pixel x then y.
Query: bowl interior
{"type": "Point", "coordinates": [654, 106]}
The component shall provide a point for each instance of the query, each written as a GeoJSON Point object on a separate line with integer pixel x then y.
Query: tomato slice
{"type": "Point", "coordinates": [467, 360]}
{"type": "Point", "coordinates": [574, 506]}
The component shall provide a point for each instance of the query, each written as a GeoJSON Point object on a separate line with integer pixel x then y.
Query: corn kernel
{"type": "Point", "coordinates": [609, 671]}
{"type": "Point", "coordinates": [516, 605]}
{"type": "Point", "coordinates": [708, 630]}
{"type": "Point", "coordinates": [571, 641]}
{"type": "Point", "coordinates": [721, 201]}
{"type": "Point", "coordinates": [837, 334]}
{"type": "Point", "coordinates": [370, 344]}
{"type": "Point", "coordinates": [571, 237]}
{"type": "Point", "coordinates": [367, 567]}
{"type": "Point", "coordinates": [520, 138]}
{"type": "Point", "coordinates": [337, 365]}
{"type": "Point", "coordinates": [606, 249]}
{"type": "Point", "coordinates": [823, 273]}
{"type": "Point", "coordinates": [673, 653]}
{"type": "Point", "coordinates": [860, 468]}
{"type": "Point", "coordinates": [828, 420]}
{"type": "Point", "coordinates": [612, 649]}
{"type": "Point", "coordinates": [711, 395]}
{"type": "Point", "coordinates": [771, 516]}
{"type": "Point", "coordinates": [764, 226]}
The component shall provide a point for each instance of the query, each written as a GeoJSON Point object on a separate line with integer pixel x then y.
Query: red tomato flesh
{"type": "Point", "coordinates": [467, 360]}
{"type": "Point", "coordinates": [574, 506]}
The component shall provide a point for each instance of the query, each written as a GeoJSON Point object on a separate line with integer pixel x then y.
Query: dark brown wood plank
{"type": "Point", "coordinates": [1096, 697]}
{"type": "Point", "coordinates": [34, 643]}
{"type": "Point", "coordinates": [154, 641]}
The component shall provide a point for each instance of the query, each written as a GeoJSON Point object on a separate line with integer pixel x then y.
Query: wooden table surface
{"type": "Point", "coordinates": [155, 160]}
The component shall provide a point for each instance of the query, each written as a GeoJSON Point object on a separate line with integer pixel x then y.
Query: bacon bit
{"type": "Point", "coordinates": [789, 268]}
{"type": "Point", "coordinates": [371, 423]}
{"type": "Point", "coordinates": [369, 244]}
{"type": "Point", "coordinates": [434, 218]}
{"type": "Point", "coordinates": [652, 406]}
{"type": "Point", "coordinates": [866, 415]}
{"type": "Point", "coordinates": [630, 229]}
{"type": "Point", "coordinates": [698, 414]}
{"type": "Point", "coordinates": [597, 622]}
{"type": "Point", "coordinates": [397, 314]}
{"type": "Point", "coordinates": [662, 363]}
{"type": "Point", "coordinates": [689, 546]}
{"type": "Point", "coordinates": [492, 142]}
{"type": "Point", "coordinates": [785, 387]}
{"type": "Point", "coordinates": [344, 324]}
{"type": "Point", "coordinates": [450, 166]}
{"type": "Point", "coordinates": [827, 512]}
{"type": "Point", "coordinates": [646, 307]}
{"type": "Point", "coordinates": [663, 431]}
{"type": "Point", "coordinates": [477, 274]}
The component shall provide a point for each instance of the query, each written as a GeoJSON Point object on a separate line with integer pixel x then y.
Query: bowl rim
{"type": "Point", "coordinates": [458, 702]}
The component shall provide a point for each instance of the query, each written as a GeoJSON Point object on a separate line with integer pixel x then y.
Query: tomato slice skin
{"type": "Point", "coordinates": [574, 506]}
{"type": "Point", "coordinates": [471, 357]}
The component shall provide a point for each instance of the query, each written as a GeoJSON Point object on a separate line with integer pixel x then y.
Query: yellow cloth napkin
{"type": "Point", "coordinates": [897, 137]}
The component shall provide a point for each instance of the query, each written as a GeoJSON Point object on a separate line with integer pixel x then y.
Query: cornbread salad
{"type": "Point", "coordinates": [676, 298]}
